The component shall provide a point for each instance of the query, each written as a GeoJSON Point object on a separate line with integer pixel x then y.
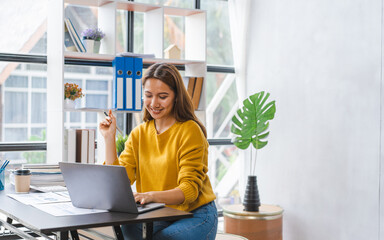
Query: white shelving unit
{"type": "Point", "coordinates": [194, 62]}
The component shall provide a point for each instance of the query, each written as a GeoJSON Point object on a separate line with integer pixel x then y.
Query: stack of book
{"type": "Point", "coordinates": [72, 40]}
{"type": "Point", "coordinates": [45, 174]}
{"type": "Point", "coordinates": [81, 145]}
{"type": "Point", "coordinates": [194, 86]}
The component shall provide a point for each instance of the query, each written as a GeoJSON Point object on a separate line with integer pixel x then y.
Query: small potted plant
{"type": "Point", "coordinates": [250, 127]}
{"type": "Point", "coordinates": [91, 39]}
{"type": "Point", "coordinates": [71, 93]}
{"type": "Point", "coordinates": [120, 143]}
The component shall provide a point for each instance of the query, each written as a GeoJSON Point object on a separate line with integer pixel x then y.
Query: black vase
{"type": "Point", "coordinates": [251, 200]}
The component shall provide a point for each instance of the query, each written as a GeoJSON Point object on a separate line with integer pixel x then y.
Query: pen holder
{"type": "Point", "coordinates": [2, 179]}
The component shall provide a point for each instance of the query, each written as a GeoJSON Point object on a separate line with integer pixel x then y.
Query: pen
{"type": "Point", "coordinates": [4, 164]}
{"type": "Point", "coordinates": [118, 129]}
{"type": "Point", "coordinates": [2, 168]}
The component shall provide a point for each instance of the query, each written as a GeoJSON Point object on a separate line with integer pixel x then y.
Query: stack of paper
{"type": "Point", "coordinates": [54, 203]}
{"type": "Point", "coordinates": [45, 174]}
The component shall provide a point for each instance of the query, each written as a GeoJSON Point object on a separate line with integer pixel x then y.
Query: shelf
{"type": "Point", "coordinates": [97, 110]}
{"type": "Point", "coordinates": [121, 5]}
{"type": "Point", "coordinates": [88, 3]}
{"type": "Point", "coordinates": [109, 57]}
{"type": "Point", "coordinates": [181, 11]}
{"type": "Point", "coordinates": [154, 18]}
{"type": "Point", "coordinates": [171, 61]}
{"type": "Point", "coordinates": [89, 56]}
{"type": "Point", "coordinates": [136, 7]}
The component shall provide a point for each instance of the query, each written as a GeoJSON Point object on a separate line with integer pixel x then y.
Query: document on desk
{"type": "Point", "coordinates": [56, 204]}
{"type": "Point", "coordinates": [39, 198]}
{"type": "Point", "coordinates": [65, 209]}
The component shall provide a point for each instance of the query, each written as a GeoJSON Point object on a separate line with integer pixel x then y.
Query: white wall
{"type": "Point", "coordinates": [321, 62]}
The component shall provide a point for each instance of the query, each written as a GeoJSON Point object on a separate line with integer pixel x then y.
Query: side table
{"type": "Point", "coordinates": [267, 224]}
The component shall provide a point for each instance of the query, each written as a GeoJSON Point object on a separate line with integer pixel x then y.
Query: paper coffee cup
{"type": "Point", "coordinates": [22, 180]}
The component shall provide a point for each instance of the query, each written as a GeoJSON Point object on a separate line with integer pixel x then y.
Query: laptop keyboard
{"type": "Point", "coordinates": [138, 205]}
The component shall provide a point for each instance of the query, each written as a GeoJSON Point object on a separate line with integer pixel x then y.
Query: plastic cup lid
{"type": "Point", "coordinates": [22, 172]}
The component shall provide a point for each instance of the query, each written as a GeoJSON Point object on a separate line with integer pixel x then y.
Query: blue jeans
{"type": "Point", "coordinates": [203, 225]}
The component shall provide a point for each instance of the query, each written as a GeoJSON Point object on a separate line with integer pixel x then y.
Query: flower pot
{"type": "Point", "coordinates": [89, 45]}
{"type": "Point", "coordinates": [96, 46]}
{"type": "Point", "coordinates": [69, 104]}
{"type": "Point", "coordinates": [251, 200]}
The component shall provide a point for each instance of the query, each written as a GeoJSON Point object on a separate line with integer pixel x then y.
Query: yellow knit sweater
{"type": "Point", "coordinates": [176, 158]}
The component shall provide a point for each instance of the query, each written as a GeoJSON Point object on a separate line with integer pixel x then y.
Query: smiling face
{"type": "Point", "coordinates": [159, 99]}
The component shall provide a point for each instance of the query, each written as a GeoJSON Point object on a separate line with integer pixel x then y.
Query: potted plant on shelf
{"type": "Point", "coordinates": [91, 39]}
{"type": "Point", "coordinates": [250, 127]}
{"type": "Point", "coordinates": [71, 93]}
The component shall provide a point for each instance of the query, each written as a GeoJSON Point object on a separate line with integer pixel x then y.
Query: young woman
{"type": "Point", "coordinates": [167, 156]}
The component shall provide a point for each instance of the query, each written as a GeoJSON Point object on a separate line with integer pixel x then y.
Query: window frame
{"type": "Point", "coordinates": [42, 59]}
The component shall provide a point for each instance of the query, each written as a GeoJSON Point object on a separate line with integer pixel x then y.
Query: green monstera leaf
{"type": "Point", "coordinates": [251, 122]}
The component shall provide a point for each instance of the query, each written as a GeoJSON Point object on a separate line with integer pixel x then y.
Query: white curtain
{"type": "Point", "coordinates": [239, 13]}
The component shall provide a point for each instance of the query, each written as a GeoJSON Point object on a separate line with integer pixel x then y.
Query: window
{"type": "Point", "coordinates": [219, 45]}
{"type": "Point", "coordinates": [23, 85]}
{"type": "Point", "coordinates": [221, 102]}
{"type": "Point", "coordinates": [96, 83]}
{"type": "Point", "coordinates": [23, 26]}
{"type": "Point", "coordinates": [24, 111]}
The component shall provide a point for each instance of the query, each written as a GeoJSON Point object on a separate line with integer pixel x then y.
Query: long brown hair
{"type": "Point", "coordinates": [183, 108]}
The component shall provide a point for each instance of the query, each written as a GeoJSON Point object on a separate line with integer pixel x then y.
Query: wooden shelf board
{"type": "Point", "coordinates": [171, 61]}
{"type": "Point", "coordinates": [110, 57]}
{"type": "Point", "coordinates": [174, 11]}
{"type": "Point", "coordinates": [97, 110]}
{"type": "Point", "coordinates": [89, 56]}
{"type": "Point", "coordinates": [137, 7]}
{"type": "Point", "coordinates": [91, 3]}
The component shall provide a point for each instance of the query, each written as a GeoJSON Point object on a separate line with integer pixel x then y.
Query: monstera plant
{"type": "Point", "coordinates": [250, 127]}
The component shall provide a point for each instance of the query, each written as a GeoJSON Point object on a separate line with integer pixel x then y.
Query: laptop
{"type": "Point", "coordinates": [102, 187]}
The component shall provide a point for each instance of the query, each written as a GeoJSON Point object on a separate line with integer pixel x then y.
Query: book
{"type": "Point", "coordinates": [48, 177]}
{"type": "Point", "coordinates": [44, 170]}
{"type": "Point", "coordinates": [43, 179]}
{"type": "Point", "coordinates": [69, 43]}
{"type": "Point", "coordinates": [40, 166]}
{"type": "Point", "coordinates": [76, 39]}
{"type": "Point", "coordinates": [81, 145]}
{"type": "Point", "coordinates": [71, 145]}
{"type": "Point", "coordinates": [191, 86]}
{"type": "Point", "coordinates": [197, 92]}
{"type": "Point", "coordinates": [91, 145]}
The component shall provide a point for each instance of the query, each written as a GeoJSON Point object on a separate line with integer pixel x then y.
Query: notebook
{"type": "Point", "coordinates": [101, 187]}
